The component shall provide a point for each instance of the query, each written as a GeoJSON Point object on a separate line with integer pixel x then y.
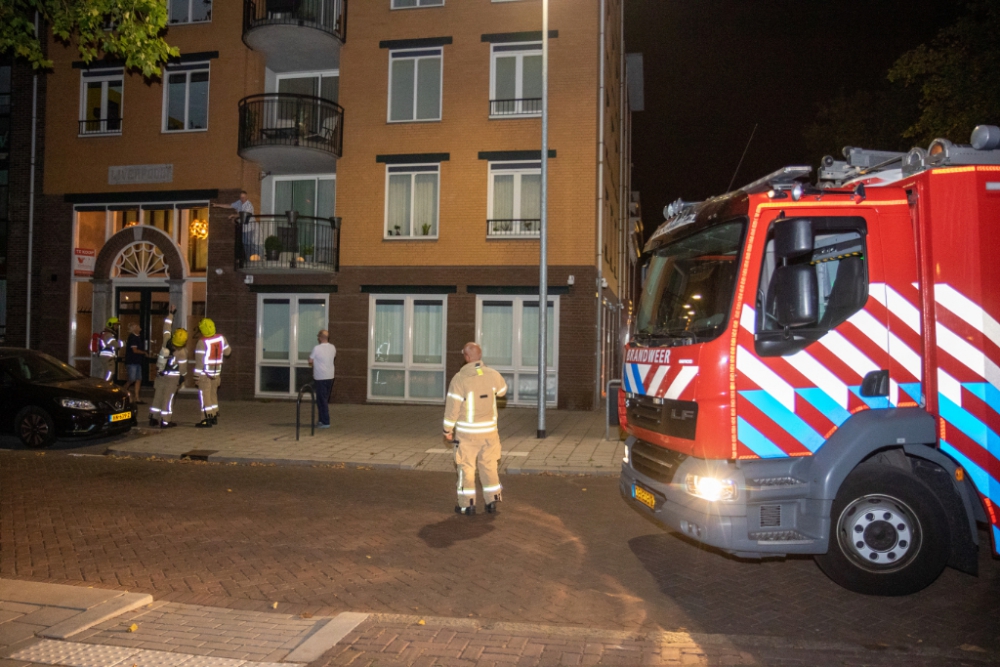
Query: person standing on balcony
{"type": "Point", "coordinates": [248, 224]}
{"type": "Point", "coordinates": [321, 359]}
{"type": "Point", "coordinates": [470, 424]}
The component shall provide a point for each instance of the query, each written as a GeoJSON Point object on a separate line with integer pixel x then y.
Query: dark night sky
{"type": "Point", "coordinates": [714, 68]}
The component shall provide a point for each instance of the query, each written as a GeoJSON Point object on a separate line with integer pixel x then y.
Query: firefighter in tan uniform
{"type": "Point", "coordinates": [470, 423]}
{"type": "Point", "coordinates": [108, 345]}
{"type": "Point", "coordinates": [171, 366]}
{"type": "Point", "coordinates": [208, 356]}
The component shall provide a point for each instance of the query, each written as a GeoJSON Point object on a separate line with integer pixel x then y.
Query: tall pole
{"type": "Point", "coordinates": [543, 275]}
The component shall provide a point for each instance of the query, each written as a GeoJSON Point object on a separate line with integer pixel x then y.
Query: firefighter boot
{"type": "Point", "coordinates": [215, 419]}
{"type": "Point", "coordinates": [468, 511]}
{"type": "Point", "coordinates": [493, 507]}
{"type": "Point", "coordinates": [204, 423]}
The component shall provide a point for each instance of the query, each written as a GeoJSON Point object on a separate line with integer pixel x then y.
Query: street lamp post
{"type": "Point", "coordinates": [543, 276]}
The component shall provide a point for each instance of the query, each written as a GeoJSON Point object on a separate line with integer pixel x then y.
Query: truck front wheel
{"type": "Point", "coordinates": [888, 534]}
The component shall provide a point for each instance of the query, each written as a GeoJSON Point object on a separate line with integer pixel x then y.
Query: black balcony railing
{"type": "Point", "coordinates": [529, 105]}
{"type": "Point", "coordinates": [326, 15]}
{"type": "Point", "coordinates": [290, 241]}
{"type": "Point", "coordinates": [512, 228]}
{"type": "Point", "coordinates": [101, 126]}
{"type": "Point", "coordinates": [281, 119]}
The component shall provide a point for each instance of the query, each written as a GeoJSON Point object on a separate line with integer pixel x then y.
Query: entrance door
{"type": "Point", "coordinates": [148, 307]}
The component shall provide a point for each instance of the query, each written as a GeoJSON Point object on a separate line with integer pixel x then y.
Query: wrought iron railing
{"type": "Point", "coordinates": [528, 105]}
{"type": "Point", "coordinates": [282, 119]}
{"type": "Point", "coordinates": [507, 228]}
{"type": "Point", "coordinates": [101, 126]}
{"type": "Point", "coordinates": [290, 241]}
{"type": "Point", "coordinates": [326, 15]}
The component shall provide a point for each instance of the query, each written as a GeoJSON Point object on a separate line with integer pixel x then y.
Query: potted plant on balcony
{"type": "Point", "coordinates": [307, 252]}
{"type": "Point", "coordinates": [426, 229]}
{"type": "Point", "coordinates": [272, 248]}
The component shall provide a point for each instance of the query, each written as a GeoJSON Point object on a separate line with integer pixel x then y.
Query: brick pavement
{"type": "Point", "coordinates": [405, 436]}
{"type": "Point", "coordinates": [323, 540]}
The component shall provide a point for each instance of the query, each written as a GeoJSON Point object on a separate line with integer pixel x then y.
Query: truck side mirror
{"type": "Point", "coordinates": [796, 296]}
{"type": "Point", "coordinates": [793, 237]}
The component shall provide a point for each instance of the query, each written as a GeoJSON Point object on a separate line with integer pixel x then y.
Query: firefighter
{"type": "Point", "coordinates": [209, 354]}
{"type": "Point", "coordinates": [171, 366]}
{"type": "Point", "coordinates": [109, 345]}
{"type": "Point", "coordinates": [470, 424]}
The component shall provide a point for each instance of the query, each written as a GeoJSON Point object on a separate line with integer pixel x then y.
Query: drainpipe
{"type": "Point", "coordinates": [600, 211]}
{"type": "Point", "coordinates": [31, 195]}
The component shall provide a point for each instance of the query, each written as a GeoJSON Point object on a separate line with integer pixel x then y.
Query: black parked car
{"type": "Point", "coordinates": [42, 399]}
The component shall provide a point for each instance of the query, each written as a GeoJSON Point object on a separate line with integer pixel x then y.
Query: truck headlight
{"type": "Point", "coordinates": [712, 489]}
{"type": "Point", "coordinates": [77, 404]}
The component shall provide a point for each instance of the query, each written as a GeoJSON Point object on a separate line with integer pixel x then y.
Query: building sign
{"type": "Point", "coordinates": [84, 260]}
{"type": "Point", "coordinates": [132, 174]}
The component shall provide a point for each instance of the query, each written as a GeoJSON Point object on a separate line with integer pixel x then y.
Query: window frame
{"type": "Point", "coordinates": [518, 50]}
{"type": "Point", "coordinates": [513, 371]}
{"type": "Point", "coordinates": [104, 77]}
{"type": "Point", "coordinates": [171, 22]}
{"type": "Point", "coordinates": [412, 170]}
{"type": "Point", "coordinates": [310, 74]}
{"type": "Point", "coordinates": [316, 178]}
{"type": "Point", "coordinates": [407, 365]}
{"type": "Point", "coordinates": [418, 54]}
{"type": "Point", "coordinates": [418, 5]}
{"type": "Point", "coordinates": [188, 69]}
{"type": "Point", "coordinates": [518, 168]}
{"type": "Point", "coordinates": [293, 362]}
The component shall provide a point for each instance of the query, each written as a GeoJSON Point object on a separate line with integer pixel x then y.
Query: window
{"type": "Point", "coordinates": [407, 340]}
{"type": "Point", "coordinates": [515, 199]}
{"type": "Point", "coordinates": [415, 85]}
{"type": "Point", "coordinates": [186, 98]}
{"type": "Point", "coordinates": [411, 201]}
{"type": "Point", "coordinates": [190, 11]}
{"type": "Point", "coordinates": [808, 289]}
{"type": "Point", "coordinates": [287, 325]}
{"type": "Point", "coordinates": [516, 80]}
{"type": "Point", "coordinates": [507, 330]}
{"type": "Point", "coordinates": [325, 85]}
{"type": "Point", "coordinates": [101, 102]}
{"type": "Point", "coordinates": [194, 238]}
{"type": "Point", "coordinates": [408, 4]}
{"type": "Point", "coordinates": [313, 196]}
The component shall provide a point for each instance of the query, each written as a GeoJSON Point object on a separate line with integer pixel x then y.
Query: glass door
{"type": "Point", "coordinates": [148, 307]}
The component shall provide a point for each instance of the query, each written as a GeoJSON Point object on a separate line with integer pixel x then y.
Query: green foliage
{"type": "Point", "coordinates": [957, 74]}
{"type": "Point", "coordinates": [870, 119]}
{"type": "Point", "coordinates": [272, 244]}
{"type": "Point", "coordinates": [134, 35]}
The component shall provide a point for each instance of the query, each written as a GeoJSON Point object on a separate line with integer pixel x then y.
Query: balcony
{"type": "Point", "coordinates": [289, 242]}
{"type": "Point", "coordinates": [101, 126]}
{"type": "Point", "coordinates": [291, 134]}
{"type": "Point", "coordinates": [296, 35]}
{"type": "Point", "coordinates": [529, 106]}
{"type": "Point", "coordinates": [513, 229]}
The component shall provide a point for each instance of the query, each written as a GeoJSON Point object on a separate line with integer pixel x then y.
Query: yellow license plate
{"type": "Point", "coordinates": [121, 416]}
{"type": "Point", "coordinates": [644, 496]}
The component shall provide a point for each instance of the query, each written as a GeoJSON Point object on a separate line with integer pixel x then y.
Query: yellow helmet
{"type": "Point", "coordinates": [207, 327]}
{"type": "Point", "coordinates": [112, 322]}
{"type": "Point", "coordinates": [180, 338]}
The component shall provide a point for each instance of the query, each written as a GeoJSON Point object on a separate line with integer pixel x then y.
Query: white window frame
{"type": "Point", "coordinates": [412, 170]}
{"type": "Point", "coordinates": [518, 50]}
{"type": "Point", "coordinates": [171, 22]}
{"type": "Point", "coordinates": [187, 69]}
{"type": "Point", "coordinates": [407, 365]}
{"type": "Point", "coordinates": [325, 73]}
{"type": "Point", "coordinates": [516, 369]}
{"type": "Point", "coordinates": [418, 55]}
{"type": "Point", "coordinates": [420, 4]}
{"type": "Point", "coordinates": [517, 169]}
{"type": "Point", "coordinates": [104, 78]}
{"type": "Point", "coordinates": [293, 362]}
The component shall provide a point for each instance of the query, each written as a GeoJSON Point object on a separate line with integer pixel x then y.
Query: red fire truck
{"type": "Point", "coordinates": [815, 369]}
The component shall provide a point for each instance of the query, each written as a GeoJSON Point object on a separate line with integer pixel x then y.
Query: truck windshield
{"type": "Point", "coordinates": [689, 286]}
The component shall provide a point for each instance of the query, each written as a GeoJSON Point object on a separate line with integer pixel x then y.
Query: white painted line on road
{"type": "Point", "coordinates": [326, 637]}
{"type": "Point", "coordinates": [74, 654]}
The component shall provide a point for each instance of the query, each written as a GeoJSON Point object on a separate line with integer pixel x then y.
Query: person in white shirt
{"type": "Point", "coordinates": [321, 359]}
{"type": "Point", "coordinates": [249, 226]}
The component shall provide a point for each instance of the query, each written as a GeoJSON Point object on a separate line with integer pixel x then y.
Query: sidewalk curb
{"type": "Point", "coordinates": [97, 614]}
{"type": "Point", "coordinates": [326, 637]}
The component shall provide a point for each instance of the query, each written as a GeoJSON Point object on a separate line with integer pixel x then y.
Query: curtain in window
{"type": "Point", "coordinates": [497, 337]}
{"type": "Point", "coordinates": [179, 11]}
{"type": "Point", "coordinates": [428, 332]}
{"type": "Point", "coordinates": [506, 78]}
{"type": "Point", "coordinates": [275, 334]}
{"type": "Point", "coordinates": [503, 196]}
{"type": "Point", "coordinates": [531, 81]}
{"type": "Point", "coordinates": [312, 319]}
{"type": "Point", "coordinates": [429, 88]}
{"type": "Point", "coordinates": [529, 336]}
{"type": "Point", "coordinates": [297, 196]}
{"type": "Point", "coordinates": [326, 197]}
{"type": "Point", "coordinates": [531, 196]}
{"type": "Point", "coordinates": [402, 89]}
{"type": "Point", "coordinates": [388, 340]}
{"type": "Point", "coordinates": [201, 10]}
{"type": "Point", "coordinates": [399, 205]}
{"type": "Point", "coordinates": [425, 200]}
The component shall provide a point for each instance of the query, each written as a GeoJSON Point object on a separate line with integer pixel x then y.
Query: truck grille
{"type": "Point", "coordinates": [655, 462]}
{"type": "Point", "coordinates": [660, 415]}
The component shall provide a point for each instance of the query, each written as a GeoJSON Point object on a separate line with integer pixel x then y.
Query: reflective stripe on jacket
{"type": "Point", "coordinates": [110, 344]}
{"type": "Point", "coordinates": [174, 363]}
{"type": "Point", "coordinates": [471, 405]}
{"type": "Point", "coordinates": [209, 354]}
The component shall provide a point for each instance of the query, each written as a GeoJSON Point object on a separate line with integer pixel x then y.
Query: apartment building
{"type": "Point", "coordinates": [394, 172]}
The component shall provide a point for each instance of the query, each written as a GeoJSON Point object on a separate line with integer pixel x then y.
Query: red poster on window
{"type": "Point", "coordinates": [84, 260]}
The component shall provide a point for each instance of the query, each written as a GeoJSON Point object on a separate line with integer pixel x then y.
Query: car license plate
{"type": "Point", "coordinates": [121, 416]}
{"type": "Point", "coordinates": [644, 496]}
